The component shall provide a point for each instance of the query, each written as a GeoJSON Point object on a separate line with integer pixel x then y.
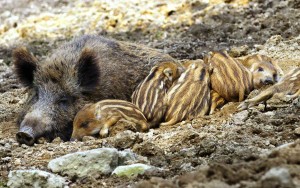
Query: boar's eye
{"type": "Point", "coordinates": [84, 124]}
{"type": "Point", "coordinates": [260, 69]}
{"type": "Point", "coordinates": [64, 101]}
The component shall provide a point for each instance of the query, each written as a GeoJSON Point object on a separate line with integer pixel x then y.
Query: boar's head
{"type": "Point", "coordinates": [58, 88]}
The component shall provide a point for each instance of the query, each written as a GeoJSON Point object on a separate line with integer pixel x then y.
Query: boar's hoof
{"type": "Point", "coordinates": [25, 138]}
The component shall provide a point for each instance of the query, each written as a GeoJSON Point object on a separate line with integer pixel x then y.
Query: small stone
{"type": "Point", "coordinates": [7, 146]}
{"type": "Point", "coordinates": [41, 140]}
{"type": "Point", "coordinates": [297, 131]}
{"type": "Point", "coordinates": [87, 138]}
{"type": "Point", "coordinates": [131, 171]}
{"type": "Point", "coordinates": [57, 140]}
{"type": "Point", "coordinates": [35, 178]}
{"type": "Point", "coordinates": [277, 177]}
{"type": "Point", "coordinates": [24, 146]}
{"type": "Point", "coordinates": [17, 162]}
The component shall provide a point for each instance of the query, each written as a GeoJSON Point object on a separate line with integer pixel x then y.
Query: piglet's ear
{"type": "Point", "coordinates": [25, 65]}
{"type": "Point", "coordinates": [278, 68]}
{"type": "Point", "coordinates": [88, 70]}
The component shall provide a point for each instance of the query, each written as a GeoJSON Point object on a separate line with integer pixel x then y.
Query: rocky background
{"type": "Point", "coordinates": [259, 147]}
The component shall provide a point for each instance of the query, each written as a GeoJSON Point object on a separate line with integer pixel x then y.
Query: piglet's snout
{"type": "Point", "coordinates": [268, 81]}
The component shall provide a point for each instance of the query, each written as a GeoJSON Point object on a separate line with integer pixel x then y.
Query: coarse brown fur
{"type": "Point", "coordinates": [98, 118]}
{"type": "Point", "coordinates": [189, 96]}
{"type": "Point", "coordinates": [88, 69]}
{"type": "Point", "coordinates": [149, 95]}
{"type": "Point", "coordinates": [287, 88]}
{"type": "Point", "coordinates": [232, 79]}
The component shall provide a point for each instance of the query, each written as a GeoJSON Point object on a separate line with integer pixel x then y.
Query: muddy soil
{"type": "Point", "coordinates": [227, 149]}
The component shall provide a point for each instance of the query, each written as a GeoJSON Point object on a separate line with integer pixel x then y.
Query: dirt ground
{"type": "Point", "coordinates": [226, 149]}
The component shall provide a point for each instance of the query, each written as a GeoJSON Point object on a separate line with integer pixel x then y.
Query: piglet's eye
{"type": "Point", "coordinates": [84, 124]}
{"type": "Point", "coordinates": [260, 69]}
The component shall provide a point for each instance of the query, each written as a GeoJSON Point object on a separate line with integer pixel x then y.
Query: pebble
{"type": "Point", "coordinates": [57, 140]}
{"type": "Point", "coordinates": [87, 138]}
{"type": "Point", "coordinates": [297, 131]}
{"type": "Point", "coordinates": [18, 162]}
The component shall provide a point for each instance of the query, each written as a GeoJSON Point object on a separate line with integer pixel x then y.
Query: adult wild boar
{"type": "Point", "coordinates": [85, 70]}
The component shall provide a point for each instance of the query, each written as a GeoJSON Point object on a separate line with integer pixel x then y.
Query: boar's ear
{"type": "Point", "coordinates": [88, 70]}
{"type": "Point", "coordinates": [25, 65]}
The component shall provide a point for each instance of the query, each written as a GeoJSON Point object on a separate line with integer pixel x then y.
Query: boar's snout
{"type": "Point", "coordinates": [25, 138]}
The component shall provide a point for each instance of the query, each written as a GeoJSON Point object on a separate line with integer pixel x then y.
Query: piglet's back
{"type": "Point", "coordinates": [189, 96]}
{"type": "Point", "coordinates": [229, 78]}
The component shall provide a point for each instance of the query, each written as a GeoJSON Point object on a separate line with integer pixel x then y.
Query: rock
{"type": "Point", "coordinates": [127, 156]}
{"type": "Point", "coordinates": [91, 162]}
{"type": "Point", "coordinates": [35, 178]}
{"type": "Point", "coordinates": [297, 131]}
{"type": "Point", "coordinates": [240, 118]}
{"type": "Point", "coordinates": [277, 177]}
{"type": "Point", "coordinates": [81, 164]}
{"type": "Point", "coordinates": [131, 171]}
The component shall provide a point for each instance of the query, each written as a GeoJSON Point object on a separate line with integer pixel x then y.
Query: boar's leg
{"type": "Point", "coordinates": [105, 127]}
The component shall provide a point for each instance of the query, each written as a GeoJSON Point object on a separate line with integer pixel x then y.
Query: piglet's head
{"type": "Point", "coordinates": [264, 70]}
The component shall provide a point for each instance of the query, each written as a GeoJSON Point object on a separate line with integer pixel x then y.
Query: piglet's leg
{"type": "Point", "coordinates": [263, 96]}
{"type": "Point", "coordinates": [295, 95]}
{"type": "Point", "coordinates": [287, 98]}
{"type": "Point", "coordinates": [216, 101]}
{"type": "Point", "coordinates": [108, 123]}
{"type": "Point", "coordinates": [143, 126]}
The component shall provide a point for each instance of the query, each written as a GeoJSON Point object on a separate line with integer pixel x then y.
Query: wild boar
{"type": "Point", "coordinates": [189, 96]}
{"type": "Point", "coordinates": [150, 93]}
{"type": "Point", "coordinates": [97, 119]}
{"type": "Point", "coordinates": [87, 69]}
{"type": "Point", "coordinates": [287, 88]}
{"type": "Point", "coordinates": [233, 80]}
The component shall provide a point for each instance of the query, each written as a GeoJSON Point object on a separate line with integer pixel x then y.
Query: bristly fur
{"type": "Point", "coordinates": [85, 70]}
{"type": "Point", "coordinates": [149, 95]}
{"type": "Point", "coordinates": [233, 79]}
{"type": "Point", "coordinates": [287, 88]}
{"type": "Point", "coordinates": [101, 116]}
{"type": "Point", "coordinates": [189, 96]}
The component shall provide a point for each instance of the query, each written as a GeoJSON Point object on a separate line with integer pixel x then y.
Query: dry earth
{"type": "Point", "coordinates": [227, 149]}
